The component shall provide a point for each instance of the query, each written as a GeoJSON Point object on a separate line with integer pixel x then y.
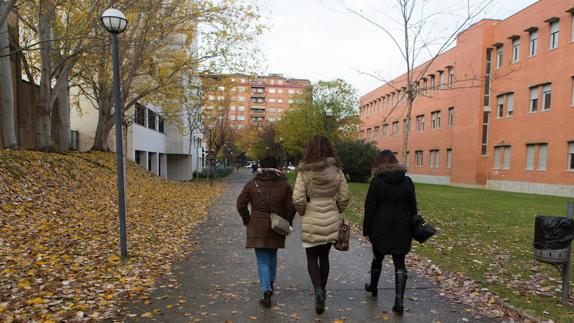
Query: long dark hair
{"type": "Point", "coordinates": [319, 149]}
{"type": "Point", "coordinates": [385, 157]}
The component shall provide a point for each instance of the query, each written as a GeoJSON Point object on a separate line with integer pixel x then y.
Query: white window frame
{"type": "Point", "coordinates": [420, 123]}
{"type": "Point", "coordinates": [509, 104]}
{"type": "Point", "coordinates": [547, 97]}
{"type": "Point", "coordinates": [450, 77]}
{"type": "Point", "coordinates": [530, 155]}
{"type": "Point", "coordinates": [542, 157]}
{"type": "Point", "coordinates": [419, 158]}
{"type": "Point", "coordinates": [499, 106]}
{"type": "Point", "coordinates": [240, 108]}
{"type": "Point", "coordinates": [533, 99]}
{"type": "Point", "coordinates": [449, 158]}
{"type": "Point", "coordinates": [533, 43]}
{"type": "Point", "coordinates": [515, 50]}
{"type": "Point", "coordinates": [499, 56]}
{"type": "Point", "coordinates": [497, 157]}
{"type": "Point", "coordinates": [571, 155]}
{"type": "Point", "coordinates": [435, 120]}
{"type": "Point", "coordinates": [451, 116]}
{"type": "Point", "coordinates": [554, 37]}
{"type": "Point", "coordinates": [507, 157]}
{"type": "Point", "coordinates": [241, 117]}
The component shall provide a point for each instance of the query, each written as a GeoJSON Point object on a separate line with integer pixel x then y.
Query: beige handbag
{"type": "Point", "coordinates": [278, 224]}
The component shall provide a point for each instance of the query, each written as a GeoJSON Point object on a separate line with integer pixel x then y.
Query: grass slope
{"type": "Point", "coordinates": [59, 240]}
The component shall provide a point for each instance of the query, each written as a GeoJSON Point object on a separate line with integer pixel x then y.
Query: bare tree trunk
{"type": "Point", "coordinates": [407, 130]}
{"type": "Point", "coordinates": [103, 129]}
{"type": "Point", "coordinates": [61, 120]}
{"type": "Point", "coordinates": [8, 104]}
{"type": "Point", "coordinates": [43, 125]}
{"type": "Point", "coordinates": [5, 8]}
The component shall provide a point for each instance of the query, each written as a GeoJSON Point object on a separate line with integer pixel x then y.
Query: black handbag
{"type": "Point", "coordinates": [421, 230]}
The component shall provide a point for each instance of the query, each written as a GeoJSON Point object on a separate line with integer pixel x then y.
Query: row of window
{"type": "Point", "coordinates": [420, 125]}
{"type": "Point", "coordinates": [429, 83]}
{"type": "Point", "coordinates": [540, 99]}
{"type": "Point", "coordinates": [241, 117]}
{"type": "Point", "coordinates": [536, 156]}
{"type": "Point", "coordinates": [434, 158]}
{"type": "Point", "coordinates": [244, 99]}
{"type": "Point", "coordinates": [242, 80]}
{"type": "Point", "coordinates": [553, 41]}
{"type": "Point", "coordinates": [242, 108]}
{"type": "Point", "coordinates": [149, 119]}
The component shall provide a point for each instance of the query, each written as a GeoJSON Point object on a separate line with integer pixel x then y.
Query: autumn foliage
{"type": "Point", "coordinates": [59, 240]}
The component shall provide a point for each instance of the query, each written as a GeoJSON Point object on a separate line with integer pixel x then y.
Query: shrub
{"type": "Point", "coordinates": [357, 158]}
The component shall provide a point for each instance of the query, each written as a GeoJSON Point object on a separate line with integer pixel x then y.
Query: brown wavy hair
{"type": "Point", "coordinates": [385, 157]}
{"type": "Point", "coordinates": [319, 149]}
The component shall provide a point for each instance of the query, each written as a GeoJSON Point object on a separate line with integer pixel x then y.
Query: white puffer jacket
{"type": "Point", "coordinates": [320, 195]}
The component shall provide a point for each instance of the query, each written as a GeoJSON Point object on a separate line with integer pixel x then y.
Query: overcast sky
{"type": "Point", "coordinates": [317, 40]}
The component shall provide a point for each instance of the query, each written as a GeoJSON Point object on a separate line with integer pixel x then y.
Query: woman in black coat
{"type": "Point", "coordinates": [390, 205]}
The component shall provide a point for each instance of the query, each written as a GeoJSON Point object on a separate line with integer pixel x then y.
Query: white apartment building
{"type": "Point", "coordinates": [157, 145]}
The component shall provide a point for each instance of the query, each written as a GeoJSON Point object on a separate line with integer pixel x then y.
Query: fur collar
{"type": "Point", "coordinates": [316, 166]}
{"type": "Point", "coordinates": [389, 168]}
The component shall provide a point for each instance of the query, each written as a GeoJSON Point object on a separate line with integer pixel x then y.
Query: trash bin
{"type": "Point", "coordinates": [552, 238]}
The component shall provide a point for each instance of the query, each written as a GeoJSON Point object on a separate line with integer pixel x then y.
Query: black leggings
{"type": "Point", "coordinates": [377, 264]}
{"type": "Point", "coordinates": [318, 264]}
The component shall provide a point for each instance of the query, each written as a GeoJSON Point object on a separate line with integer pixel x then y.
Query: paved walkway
{"type": "Point", "coordinates": [218, 282]}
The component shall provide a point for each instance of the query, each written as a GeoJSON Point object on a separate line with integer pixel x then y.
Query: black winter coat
{"type": "Point", "coordinates": [391, 202]}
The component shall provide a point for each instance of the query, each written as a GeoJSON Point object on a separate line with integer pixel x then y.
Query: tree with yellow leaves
{"type": "Point", "coordinates": [160, 52]}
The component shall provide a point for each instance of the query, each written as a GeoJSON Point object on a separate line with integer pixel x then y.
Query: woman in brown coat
{"type": "Point", "coordinates": [268, 192]}
{"type": "Point", "coordinates": [321, 195]}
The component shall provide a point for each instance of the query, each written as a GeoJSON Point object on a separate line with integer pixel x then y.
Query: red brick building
{"type": "Point", "coordinates": [497, 110]}
{"type": "Point", "coordinates": [253, 100]}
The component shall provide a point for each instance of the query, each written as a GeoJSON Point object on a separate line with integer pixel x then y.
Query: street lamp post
{"type": "Point", "coordinates": [115, 23]}
{"type": "Point", "coordinates": [329, 113]}
{"type": "Point", "coordinates": [210, 156]}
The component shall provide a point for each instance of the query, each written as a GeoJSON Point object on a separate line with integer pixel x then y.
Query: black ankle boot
{"type": "Point", "coordinates": [320, 297]}
{"type": "Point", "coordinates": [400, 285]}
{"type": "Point", "coordinates": [373, 286]}
{"type": "Point", "coordinates": [266, 300]}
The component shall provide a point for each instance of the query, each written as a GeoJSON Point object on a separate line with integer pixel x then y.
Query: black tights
{"type": "Point", "coordinates": [398, 261]}
{"type": "Point", "coordinates": [318, 264]}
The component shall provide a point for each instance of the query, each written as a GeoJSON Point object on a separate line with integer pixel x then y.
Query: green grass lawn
{"type": "Point", "coordinates": [487, 236]}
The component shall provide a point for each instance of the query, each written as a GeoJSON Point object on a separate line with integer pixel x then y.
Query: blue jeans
{"type": "Point", "coordinates": [266, 267]}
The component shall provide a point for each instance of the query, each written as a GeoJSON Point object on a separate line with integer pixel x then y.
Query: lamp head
{"type": "Point", "coordinates": [114, 21]}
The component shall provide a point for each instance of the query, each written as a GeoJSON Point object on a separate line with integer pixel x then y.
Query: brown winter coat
{"type": "Point", "coordinates": [321, 194]}
{"type": "Point", "coordinates": [278, 195]}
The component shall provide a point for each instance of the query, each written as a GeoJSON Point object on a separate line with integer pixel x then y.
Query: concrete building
{"type": "Point", "coordinates": [252, 100]}
{"type": "Point", "coordinates": [494, 111]}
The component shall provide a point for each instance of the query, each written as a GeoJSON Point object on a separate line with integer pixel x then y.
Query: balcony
{"type": "Point", "coordinates": [255, 110]}
{"type": "Point", "coordinates": [257, 91]}
{"type": "Point", "coordinates": [257, 100]}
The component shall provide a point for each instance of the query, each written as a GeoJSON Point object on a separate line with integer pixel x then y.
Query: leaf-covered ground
{"type": "Point", "coordinates": [59, 241]}
{"type": "Point", "coordinates": [484, 247]}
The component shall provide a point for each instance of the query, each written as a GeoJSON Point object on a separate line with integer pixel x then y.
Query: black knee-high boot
{"type": "Point", "coordinates": [400, 285]}
{"type": "Point", "coordinates": [373, 286]}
